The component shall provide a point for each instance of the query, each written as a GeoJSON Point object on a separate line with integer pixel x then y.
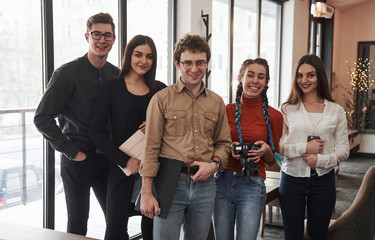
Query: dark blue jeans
{"type": "Point", "coordinates": [318, 194]}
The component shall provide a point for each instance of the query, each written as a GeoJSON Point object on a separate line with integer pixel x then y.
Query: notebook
{"type": "Point", "coordinates": [134, 146]}
{"type": "Point", "coordinates": [164, 184]}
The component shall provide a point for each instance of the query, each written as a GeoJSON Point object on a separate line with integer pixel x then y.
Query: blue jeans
{"type": "Point", "coordinates": [192, 206]}
{"type": "Point", "coordinates": [239, 200]}
{"type": "Point", "coordinates": [318, 193]}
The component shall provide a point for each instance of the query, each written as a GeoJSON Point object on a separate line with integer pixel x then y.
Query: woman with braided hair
{"type": "Point", "coordinates": [240, 198]}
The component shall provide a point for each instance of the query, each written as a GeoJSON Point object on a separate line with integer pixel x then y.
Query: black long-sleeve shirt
{"type": "Point", "coordinates": [70, 96]}
{"type": "Point", "coordinates": [126, 112]}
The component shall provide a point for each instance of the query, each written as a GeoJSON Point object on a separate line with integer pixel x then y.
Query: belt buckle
{"type": "Point", "coordinates": [185, 169]}
{"type": "Point", "coordinates": [312, 172]}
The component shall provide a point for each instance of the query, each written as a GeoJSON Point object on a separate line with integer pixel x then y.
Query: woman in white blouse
{"type": "Point", "coordinates": [314, 141]}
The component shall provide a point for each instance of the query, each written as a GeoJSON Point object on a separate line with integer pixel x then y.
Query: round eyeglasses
{"type": "Point", "coordinates": [97, 35]}
{"type": "Point", "coordinates": [189, 64]}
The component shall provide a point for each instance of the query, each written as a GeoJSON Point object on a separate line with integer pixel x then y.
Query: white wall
{"type": "Point", "coordinates": [352, 26]}
{"type": "Point", "coordinates": [294, 41]}
{"type": "Point", "coordinates": [189, 19]}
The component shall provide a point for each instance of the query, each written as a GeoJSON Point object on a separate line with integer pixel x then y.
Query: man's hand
{"type": "Point", "coordinates": [315, 146]}
{"type": "Point", "coordinates": [149, 204]}
{"type": "Point", "coordinates": [206, 170]}
{"type": "Point", "coordinates": [80, 157]}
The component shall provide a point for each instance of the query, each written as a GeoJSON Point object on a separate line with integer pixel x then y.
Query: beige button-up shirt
{"type": "Point", "coordinates": [185, 127]}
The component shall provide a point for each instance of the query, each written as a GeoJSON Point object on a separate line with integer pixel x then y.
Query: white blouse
{"type": "Point", "coordinates": [331, 127]}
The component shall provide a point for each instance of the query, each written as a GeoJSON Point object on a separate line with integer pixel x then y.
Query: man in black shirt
{"type": "Point", "coordinates": [70, 97]}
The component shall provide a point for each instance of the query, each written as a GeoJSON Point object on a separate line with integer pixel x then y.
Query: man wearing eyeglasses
{"type": "Point", "coordinates": [70, 97]}
{"type": "Point", "coordinates": [186, 122]}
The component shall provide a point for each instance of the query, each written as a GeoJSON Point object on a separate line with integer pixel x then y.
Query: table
{"type": "Point", "coordinates": [11, 231]}
{"type": "Point", "coordinates": [354, 146]}
{"type": "Point", "coordinates": [272, 183]}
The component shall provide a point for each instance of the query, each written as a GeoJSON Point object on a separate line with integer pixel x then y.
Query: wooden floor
{"type": "Point", "coordinates": [9, 231]}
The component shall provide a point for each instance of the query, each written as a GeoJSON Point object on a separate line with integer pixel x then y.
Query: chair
{"type": "Point", "coordinates": [359, 220]}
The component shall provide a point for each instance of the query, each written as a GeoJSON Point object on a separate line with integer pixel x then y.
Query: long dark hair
{"type": "Point", "coordinates": [296, 94]}
{"type": "Point", "coordinates": [126, 60]}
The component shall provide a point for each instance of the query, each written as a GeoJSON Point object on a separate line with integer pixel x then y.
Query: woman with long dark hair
{"type": "Point", "coordinates": [123, 102]}
{"type": "Point", "coordinates": [241, 194]}
{"type": "Point", "coordinates": [314, 141]}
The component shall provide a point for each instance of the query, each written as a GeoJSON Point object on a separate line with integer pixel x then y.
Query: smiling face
{"type": "Point", "coordinates": [192, 77]}
{"type": "Point", "coordinates": [306, 79]}
{"type": "Point", "coordinates": [253, 80]}
{"type": "Point", "coordinates": [141, 59]}
{"type": "Point", "coordinates": [101, 47]}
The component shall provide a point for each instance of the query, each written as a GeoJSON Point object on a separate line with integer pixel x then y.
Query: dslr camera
{"type": "Point", "coordinates": [250, 168]}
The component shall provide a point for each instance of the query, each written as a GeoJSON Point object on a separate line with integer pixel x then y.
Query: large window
{"type": "Point", "coordinates": [21, 88]}
{"type": "Point", "coordinates": [69, 28]}
{"type": "Point", "coordinates": [270, 46]}
{"type": "Point", "coordinates": [21, 153]}
{"type": "Point", "coordinates": [256, 33]}
{"type": "Point", "coordinates": [220, 49]}
{"type": "Point", "coordinates": [156, 25]}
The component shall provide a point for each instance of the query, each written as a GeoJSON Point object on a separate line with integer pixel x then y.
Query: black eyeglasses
{"type": "Point", "coordinates": [189, 64]}
{"type": "Point", "coordinates": [97, 35]}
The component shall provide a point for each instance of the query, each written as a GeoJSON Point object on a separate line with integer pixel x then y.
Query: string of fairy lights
{"type": "Point", "coordinates": [360, 75]}
{"type": "Point", "coordinates": [361, 82]}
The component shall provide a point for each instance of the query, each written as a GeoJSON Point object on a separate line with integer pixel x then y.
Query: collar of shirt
{"type": "Point", "coordinates": [181, 85]}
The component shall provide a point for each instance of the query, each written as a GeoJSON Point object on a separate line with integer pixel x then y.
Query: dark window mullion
{"type": "Point", "coordinates": [230, 57]}
{"type": "Point", "coordinates": [49, 153]}
{"type": "Point", "coordinates": [122, 28]}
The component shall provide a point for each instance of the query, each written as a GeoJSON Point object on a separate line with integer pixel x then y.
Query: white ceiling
{"type": "Point", "coordinates": [343, 5]}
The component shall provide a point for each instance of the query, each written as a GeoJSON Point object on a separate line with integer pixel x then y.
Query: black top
{"type": "Point", "coordinates": [126, 112]}
{"type": "Point", "coordinates": [70, 96]}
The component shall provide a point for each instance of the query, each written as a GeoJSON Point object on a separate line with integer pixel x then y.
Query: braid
{"type": "Point", "coordinates": [238, 111]}
{"type": "Point", "coordinates": [266, 115]}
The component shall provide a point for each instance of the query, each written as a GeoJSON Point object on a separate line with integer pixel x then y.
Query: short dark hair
{"type": "Point", "coordinates": [126, 60]}
{"type": "Point", "coordinates": [100, 18]}
{"type": "Point", "coordinates": [194, 43]}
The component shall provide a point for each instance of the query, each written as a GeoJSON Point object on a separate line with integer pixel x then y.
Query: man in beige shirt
{"type": "Point", "coordinates": [186, 122]}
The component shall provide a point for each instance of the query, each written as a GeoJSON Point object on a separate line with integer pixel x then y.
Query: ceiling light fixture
{"type": "Point", "coordinates": [320, 9]}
